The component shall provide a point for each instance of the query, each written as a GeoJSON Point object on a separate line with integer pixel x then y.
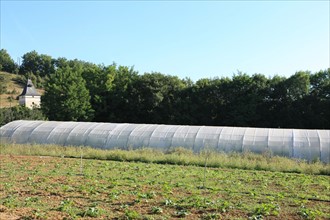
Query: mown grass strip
{"type": "Point", "coordinates": [177, 156]}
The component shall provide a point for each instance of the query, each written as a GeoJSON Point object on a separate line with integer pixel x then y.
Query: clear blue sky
{"type": "Point", "coordinates": [196, 39]}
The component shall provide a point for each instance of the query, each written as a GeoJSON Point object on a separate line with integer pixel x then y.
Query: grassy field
{"type": "Point", "coordinates": [175, 156]}
{"type": "Point", "coordinates": [43, 187]}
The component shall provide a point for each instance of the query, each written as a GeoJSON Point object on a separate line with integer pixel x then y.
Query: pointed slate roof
{"type": "Point", "coordinates": [29, 89]}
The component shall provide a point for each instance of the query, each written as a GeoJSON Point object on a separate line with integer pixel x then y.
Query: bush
{"type": "Point", "coordinates": [19, 113]}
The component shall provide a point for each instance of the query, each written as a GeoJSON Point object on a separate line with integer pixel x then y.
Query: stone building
{"type": "Point", "coordinates": [30, 97]}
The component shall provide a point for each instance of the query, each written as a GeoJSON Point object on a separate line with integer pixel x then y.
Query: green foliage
{"type": "Point", "coordinates": [307, 213]}
{"type": "Point", "coordinates": [211, 216]}
{"type": "Point", "coordinates": [154, 97]}
{"type": "Point", "coordinates": [121, 99]}
{"type": "Point", "coordinates": [37, 81]}
{"type": "Point", "coordinates": [19, 113]}
{"type": "Point", "coordinates": [68, 207]}
{"type": "Point", "coordinates": [131, 214]}
{"type": "Point", "coordinates": [120, 94]}
{"type": "Point", "coordinates": [66, 96]}
{"type": "Point", "coordinates": [181, 213]}
{"type": "Point", "coordinates": [247, 161]}
{"type": "Point", "coordinates": [3, 86]}
{"type": "Point", "coordinates": [7, 64]}
{"type": "Point", "coordinates": [92, 212]}
{"type": "Point", "coordinates": [265, 209]}
{"type": "Point", "coordinates": [156, 210]}
{"type": "Point", "coordinates": [39, 65]}
{"type": "Point", "coordinates": [99, 83]}
{"type": "Point", "coordinates": [10, 201]}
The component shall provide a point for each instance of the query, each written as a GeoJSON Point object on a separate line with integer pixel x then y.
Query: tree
{"type": "Point", "coordinates": [30, 63]}
{"type": "Point", "coordinates": [99, 83]}
{"type": "Point", "coordinates": [40, 65]}
{"type": "Point", "coordinates": [317, 103]}
{"type": "Point", "coordinates": [284, 101]}
{"type": "Point", "coordinates": [66, 97]}
{"type": "Point", "coordinates": [154, 97]}
{"type": "Point", "coordinates": [121, 100]}
{"type": "Point", "coordinates": [7, 64]}
{"type": "Point", "coordinates": [241, 97]}
{"type": "Point", "coordinates": [171, 90]}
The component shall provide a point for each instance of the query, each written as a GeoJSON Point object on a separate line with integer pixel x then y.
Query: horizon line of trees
{"type": "Point", "coordinates": [81, 91]}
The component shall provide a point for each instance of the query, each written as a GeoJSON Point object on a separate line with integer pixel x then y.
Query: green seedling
{"type": "Point", "coordinates": [307, 213]}
{"type": "Point", "coordinates": [266, 209]}
{"type": "Point", "coordinates": [131, 214]}
{"type": "Point", "coordinates": [156, 210]}
{"type": "Point", "coordinates": [10, 201]}
{"type": "Point", "coordinates": [181, 213]}
{"type": "Point", "coordinates": [92, 212]}
{"type": "Point", "coordinates": [67, 206]}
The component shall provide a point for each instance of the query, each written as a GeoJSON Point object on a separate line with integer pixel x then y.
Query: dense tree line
{"type": "Point", "coordinates": [78, 90]}
{"type": "Point", "coordinates": [18, 113]}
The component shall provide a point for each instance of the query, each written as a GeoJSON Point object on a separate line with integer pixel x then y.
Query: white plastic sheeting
{"type": "Point", "coordinates": [297, 143]}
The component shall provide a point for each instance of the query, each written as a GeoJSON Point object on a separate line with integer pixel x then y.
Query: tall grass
{"type": "Point", "coordinates": [178, 156]}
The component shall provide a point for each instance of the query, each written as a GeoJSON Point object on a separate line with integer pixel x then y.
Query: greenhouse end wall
{"type": "Point", "coordinates": [295, 143]}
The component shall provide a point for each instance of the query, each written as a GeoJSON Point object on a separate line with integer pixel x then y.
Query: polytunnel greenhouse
{"type": "Point", "coordinates": [296, 143]}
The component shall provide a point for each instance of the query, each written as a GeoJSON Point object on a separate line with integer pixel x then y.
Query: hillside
{"type": "Point", "coordinates": [10, 89]}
